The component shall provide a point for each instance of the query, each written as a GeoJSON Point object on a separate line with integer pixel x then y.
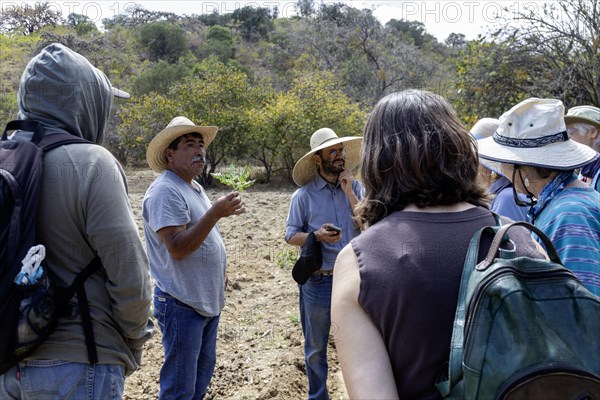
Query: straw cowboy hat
{"type": "Point", "coordinates": [482, 129]}
{"type": "Point", "coordinates": [587, 114]}
{"type": "Point", "coordinates": [305, 169]}
{"type": "Point", "coordinates": [179, 126]}
{"type": "Point", "coordinates": [534, 133]}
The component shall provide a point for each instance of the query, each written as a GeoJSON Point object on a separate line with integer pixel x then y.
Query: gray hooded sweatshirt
{"type": "Point", "coordinates": [84, 211]}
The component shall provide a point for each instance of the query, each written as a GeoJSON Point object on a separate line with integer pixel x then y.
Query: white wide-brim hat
{"type": "Point", "coordinates": [484, 128]}
{"type": "Point", "coordinates": [179, 126]}
{"type": "Point", "coordinates": [305, 169]}
{"type": "Point", "coordinates": [534, 133]}
{"type": "Point", "coordinates": [587, 114]}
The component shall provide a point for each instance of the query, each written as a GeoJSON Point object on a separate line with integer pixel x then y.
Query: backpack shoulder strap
{"type": "Point", "coordinates": [499, 237]}
{"type": "Point", "coordinates": [46, 142]}
{"type": "Point", "coordinates": [60, 139]}
{"type": "Point", "coordinates": [25, 125]}
{"type": "Point", "coordinates": [451, 373]}
{"type": "Point", "coordinates": [78, 287]}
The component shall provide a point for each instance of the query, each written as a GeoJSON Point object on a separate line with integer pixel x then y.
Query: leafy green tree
{"type": "Point", "coordinates": [163, 41]}
{"type": "Point", "coordinates": [27, 19]}
{"type": "Point", "coordinates": [160, 77]}
{"type": "Point", "coordinates": [141, 119]}
{"type": "Point", "coordinates": [81, 23]}
{"type": "Point", "coordinates": [305, 8]}
{"type": "Point", "coordinates": [456, 40]}
{"type": "Point", "coordinates": [215, 94]}
{"type": "Point", "coordinates": [491, 78]}
{"type": "Point", "coordinates": [280, 131]}
{"type": "Point", "coordinates": [215, 18]}
{"type": "Point", "coordinates": [219, 42]}
{"type": "Point", "coordinates": [414, 30]}
{"type": "Point", "coordinates": [253, 23]}
{"type": "Point", "coordinates": [136, 16]}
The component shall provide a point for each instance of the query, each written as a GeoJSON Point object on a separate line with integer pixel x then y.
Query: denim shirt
{"type": "Point", "coordinates": [317, 203]}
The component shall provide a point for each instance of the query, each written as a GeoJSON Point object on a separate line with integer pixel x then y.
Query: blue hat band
{"type": "Point", "coordinates": [531, 143]}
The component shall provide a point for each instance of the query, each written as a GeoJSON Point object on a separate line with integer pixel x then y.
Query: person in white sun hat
{"type": "Point", "coordinates": [540, 158]}
{"type": "Point", "coordinates": [326, 198]}
{"type": "Point", "coordinates": [583, 124]}
{"type": "Point", "coordinates": [498, 186]}
{"type": "Point", "coordinates": [187, 256]}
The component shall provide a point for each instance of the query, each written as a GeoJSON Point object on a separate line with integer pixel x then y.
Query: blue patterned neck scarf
{"type": "Point", "coordinates": [549, 192]}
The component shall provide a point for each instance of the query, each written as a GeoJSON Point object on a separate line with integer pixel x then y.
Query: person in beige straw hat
{"type": "Point", "coordinates": [540, 159]}
{"type": "Point", "coordinates": [187, 256]}
{"type": "Point", "coordinates": [583, 124]}
{"type": "Point", "coordinates": [322, 210]}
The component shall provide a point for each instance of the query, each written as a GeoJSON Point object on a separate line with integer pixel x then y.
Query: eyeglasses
{"type": "Point", "coordinates": [336, 152]}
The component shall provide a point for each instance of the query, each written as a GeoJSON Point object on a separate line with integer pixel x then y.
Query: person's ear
{"type": "Point", "coordinates": [316, 159]}
{"type": "Point", "coordinates": [168, 155]}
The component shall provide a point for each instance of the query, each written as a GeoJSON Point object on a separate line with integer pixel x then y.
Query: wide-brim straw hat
{"type": "Point", "coordinates": [587, 114]}
{"type": "Point", "coordinates": [305, 169]}
{"type": "Point", "coordinates": [534, 133]}
{"type": "Point", "coordinates": [179, 126]}
{"type": "Point", "coordinates": [482, 129]}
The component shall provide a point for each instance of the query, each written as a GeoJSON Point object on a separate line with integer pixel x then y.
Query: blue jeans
{"type": "Point", "coordinates": [315, 307]}
{"type": "Point", "coordinates": [190, 344]}
{"type": "Point", "coordinates": [53, 380]}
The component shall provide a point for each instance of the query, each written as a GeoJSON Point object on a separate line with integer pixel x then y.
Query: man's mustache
{"type": "Point", "coordinates": [198, 159]}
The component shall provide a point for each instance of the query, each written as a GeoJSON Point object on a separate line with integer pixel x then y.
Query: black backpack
{"type": "Point", "coordinates": [524, 328]}
{"type": "Point", "coordinates": [30, 313]}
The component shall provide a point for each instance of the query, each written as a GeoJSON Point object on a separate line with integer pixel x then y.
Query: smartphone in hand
{"type": "Point", "coordinates": [333, 228]}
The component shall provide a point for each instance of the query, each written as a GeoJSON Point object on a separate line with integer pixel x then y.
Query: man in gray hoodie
{"type": "Point", "coordinates": [84, 212]}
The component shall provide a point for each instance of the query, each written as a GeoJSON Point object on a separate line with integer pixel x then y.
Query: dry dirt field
{"type": "Point", "coordinates": [259, 346]}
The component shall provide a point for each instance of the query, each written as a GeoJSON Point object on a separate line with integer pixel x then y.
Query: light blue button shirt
{"type": "Point", "coordinates": [317, 203]}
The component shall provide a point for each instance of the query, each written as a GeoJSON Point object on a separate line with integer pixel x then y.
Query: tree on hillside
{"type": "Point", "coordinates": [492, 76]}
{"type": "Point", "coordinates": [163, 41]}
{"type": "Point", "coordinates": [215, 18]}
{"type": "Point", "coordinates": [141, 119]}
{"type": "Point", "coordinates": [564, 35]}
{"type": "Point", "coordinates": [81, 23]}
{"type": "Point", "coordinates": [305, 8]}
{"type": "Point", "coordinates": [26, 19]}
{"type": "Point", "coordinates": [254, 23]}
{"type": "Point", "coordinates": [215, 94]}
{"type": "Point", "coordinates": [414, 30]}
{"type": "Point", "coordinates": [219, 42]}
{"type": "Point", "coordinates": [135, 16]}
{"type": "Point", "coordinates": [456, 40]}
{"type": "Point", "coordinates": [280, 130]}
{"type": "Point", "coordinates": [160, 77]}
{"type": "Point", "coordinates": [372, 60]}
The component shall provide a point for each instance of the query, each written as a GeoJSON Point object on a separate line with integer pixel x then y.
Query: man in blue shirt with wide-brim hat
{"type": "Point", "coordinates": [327, 196]}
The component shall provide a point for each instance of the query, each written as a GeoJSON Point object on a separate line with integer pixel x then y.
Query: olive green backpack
{"type": "Point", "coordinates": [524, 328]}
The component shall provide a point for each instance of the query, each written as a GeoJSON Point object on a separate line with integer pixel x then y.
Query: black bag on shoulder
{"type": "Point", "coordinates": [524, 328]}
{"type": "Point", "coordinates": [29, 311]}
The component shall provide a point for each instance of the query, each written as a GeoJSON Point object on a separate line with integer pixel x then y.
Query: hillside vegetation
{"type": "Point", "coordinates": [269, 82]}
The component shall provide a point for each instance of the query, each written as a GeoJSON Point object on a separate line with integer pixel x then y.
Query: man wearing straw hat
{"type": "Point", "coordinates": [326, 198]}
{"type": "Point", "coordinates": [186, 255]}
{"type": "Point", "coordinates": [583, 124]}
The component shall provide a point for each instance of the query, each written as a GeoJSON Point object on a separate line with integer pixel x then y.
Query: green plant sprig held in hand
{"type": "Point", "coordinates": [238, 180]}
